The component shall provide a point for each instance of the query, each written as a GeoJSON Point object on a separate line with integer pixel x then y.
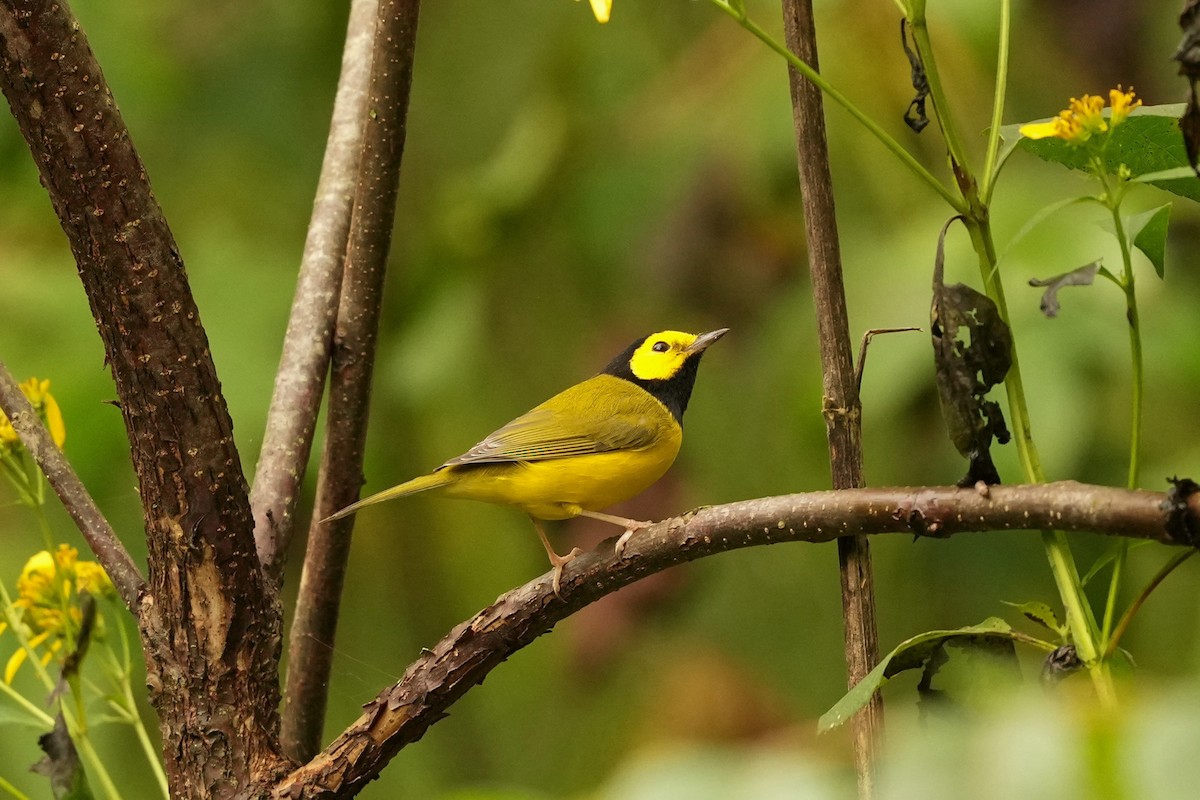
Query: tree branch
{"type": "Point", "coordinates": [100, 536]}
{"type": "Point", "coordinates": [310, 650]}
{"type": "Point", "coordinates": [402, 713]}
{"type": "Point", "coordinates": [300, 380]}
{"type": "Point", "coordinates": [209, 629]}
{"type": "Point", "coordinates": [842, 406]}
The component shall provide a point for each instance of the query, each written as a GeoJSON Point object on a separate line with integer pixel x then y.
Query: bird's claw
{"type": "Point", "coordinates": [624, 540]}
{"type": "Point", "coordinates": [559, 562]}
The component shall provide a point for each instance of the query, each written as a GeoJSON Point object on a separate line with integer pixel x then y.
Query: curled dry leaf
{"type": "Point", "coordinates": [1080, 276]}
{"type": "Point", "coordinates": [972, 349]}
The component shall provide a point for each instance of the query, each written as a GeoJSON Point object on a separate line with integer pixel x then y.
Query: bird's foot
{"type": "Point", "coordinates": [631, 526]}
{"type": "Point", "coordinates": [630, 530]}
{"type": "Point", "coordinates": [558, 562]}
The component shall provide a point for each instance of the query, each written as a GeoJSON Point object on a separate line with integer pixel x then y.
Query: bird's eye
{"type": "Point", "coordinates": [661, 347]}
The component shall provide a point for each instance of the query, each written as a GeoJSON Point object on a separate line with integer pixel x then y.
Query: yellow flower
{"type": "Point", "coordinates": [1122, 103]}
{"type": "Point", "coordinates": [1084, 118]}
{"type": "Point", "coordinates": [38, 394]}
{"type": "Point", "coordinates": [602, 9]}
{"type": "Point", "coordinates": [48, 597]}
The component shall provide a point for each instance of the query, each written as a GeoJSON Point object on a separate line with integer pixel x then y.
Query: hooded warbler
{"type": "Point", "coordinates": [595, 444]}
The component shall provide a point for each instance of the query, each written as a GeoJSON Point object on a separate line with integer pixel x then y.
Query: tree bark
{"type": "Point", "coordinates": [310, 648]}
{"type": "Point", "coordinates": [211, 638]}
{"type": "Point", "coordinates": [307, 345]}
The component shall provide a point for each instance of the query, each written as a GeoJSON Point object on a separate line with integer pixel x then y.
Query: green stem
{"type": "Point", "coordinates": [990, 167]}
{"type": "Point", "coordinates": [906, 158]}
{"type": "Point", "coordinates": [1112, 197]}
{"type": "Point", "coordinates": [1140, 600]}
{"type": "Point", "coordinates": [121, 670]}
{"type": "Point", "coordinates": [12, 790]}
{"type": "Point", "coordinates": [84, 745]}
{"type": "Point", "coordinates": [941, 106]}
{"type": "Point", "coordinates": [1084, 631]}
{"type": "Point", "coordinates": [41, 716]}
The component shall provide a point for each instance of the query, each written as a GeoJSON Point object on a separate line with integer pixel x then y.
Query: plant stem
{"type": "Point", "coordinates": [12, 790]}
{"type": "Point", "coordinates": [121, 669]}
{"type": "Point", "coordinates": [41, 716]}
{"type": "Point", "coordinates": [941, 106]}
{"type": "Point", "coordinates": [1082, 621]}
{"type": "Point", "coordinates": [905, 157]}
{"type": "Point", "coordinates": [1140, 600]}
{"type": "Point", "coordinates": [1112, 197]}
{"type": "Point", "coordinates": [990, 167]}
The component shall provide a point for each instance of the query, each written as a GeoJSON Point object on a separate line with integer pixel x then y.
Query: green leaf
{"type": "Point", "coordinates": [1106, 559]}
{"type": "Point", "coordinates": [1149, 232]}
{"type": "Point", "coordinates": [1147, 142]}
{"type": "Point", "coordinates": [913, 654]}
{"type": "Point", "coordinates": [1042, 614]}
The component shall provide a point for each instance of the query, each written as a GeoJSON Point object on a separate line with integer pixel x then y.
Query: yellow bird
{"type": "Point", "coordinates": [595, 444]}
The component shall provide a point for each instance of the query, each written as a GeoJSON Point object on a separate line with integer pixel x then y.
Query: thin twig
{"type": "Point", "coordinates": [1141, 599]}
{"type": "Point", "coordinates": [402, 713]}
{"type": "Point", "coordinates": [843, 417]}
{"type": "Point", "coordinates": [304, 363]}
{"type": "Point", "coordinates": [865, 343]}
{"type": "Point", "coordinates": [100, 536]}
{"type": "Point", "coordinates": [340, 477]}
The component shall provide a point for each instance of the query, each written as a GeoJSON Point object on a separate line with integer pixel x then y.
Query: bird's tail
{"type": "Point", "coordinates": [421, 484]}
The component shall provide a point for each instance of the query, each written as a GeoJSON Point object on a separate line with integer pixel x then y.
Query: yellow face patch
{"type": "Point", "coordinates": [661, 355]}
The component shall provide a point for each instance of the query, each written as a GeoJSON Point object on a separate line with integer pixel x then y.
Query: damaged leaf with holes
{"type": "Point", "coordinates": [972, 349]}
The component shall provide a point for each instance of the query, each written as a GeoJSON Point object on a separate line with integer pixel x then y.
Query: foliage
{"type": "Point", "coordinates": [638, 176]}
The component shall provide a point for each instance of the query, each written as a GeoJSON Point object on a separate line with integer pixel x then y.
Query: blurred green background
{"type": "Point", "coordinates": [568, 187]}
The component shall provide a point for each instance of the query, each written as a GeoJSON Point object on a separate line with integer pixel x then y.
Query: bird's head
{"type": "Point", "coordinates": [660, 356]}
{"type": "Point", "coordinates": [664, 364]}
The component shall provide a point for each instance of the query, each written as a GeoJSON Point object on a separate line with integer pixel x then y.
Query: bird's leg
{"type": "Point", "coordinates": [557, 561]}
{"type": "Point", "coordinates": [630, 526]}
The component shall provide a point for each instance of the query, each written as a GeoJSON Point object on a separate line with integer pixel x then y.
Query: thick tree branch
{"type": "Point", "coordinates": [304, 362]}
{"type": "Point", "coordinates": [211, 636]}
{"type": "Point", "coordinates": [402, 713]}
{"type": "Point", "coordinates": [310, 649]}
{"type": "Point", "coordinates": [100, 536]}
{"type": "Point", "coordinates": [842, 407]}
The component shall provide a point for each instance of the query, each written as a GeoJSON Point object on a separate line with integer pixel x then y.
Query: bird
{"type": "Point", "coordinates": [588, 447]}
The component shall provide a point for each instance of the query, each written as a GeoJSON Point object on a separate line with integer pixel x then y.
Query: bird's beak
{"type": "Point", "coordinates": [704, 340]}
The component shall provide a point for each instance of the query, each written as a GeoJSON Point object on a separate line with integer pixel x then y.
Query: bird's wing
{"type": "Point", "coordinates": [572, 423]}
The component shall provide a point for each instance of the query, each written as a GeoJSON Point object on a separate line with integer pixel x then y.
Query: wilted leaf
{"type": "Point", "coordinates": [1042, 614]}
{"type": "Point", "coordinates": [74, 659]}
{"type": "Point", "coordinates": [1081, 276]}
{"type": "Point", "coordinates": [972, 348]}
{"type": "Point", "coordinates": [61, 764]}
{"type": "Point", "coordinates": [915, 116]}
{"type": "Point", "coordinates": [993, 634]}
{"type": "Point", "coordinates": [1146, 142]}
